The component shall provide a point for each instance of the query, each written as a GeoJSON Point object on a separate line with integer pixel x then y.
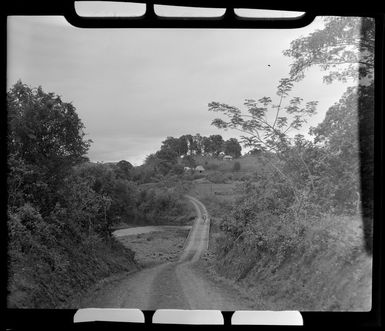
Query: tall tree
{"type": "Point", "coordinates": [124, 169]}
{"type": "Point", "coordinates": [189, 139]}
{"type": "Point", "coordinates": [182, 146]}
{"type": "Point", "coordinates": [46, 136]}
{"type": "Point", "coordinates": [216, 144]}
{"type": "Point", "coordinates": [338, 135]}
{"type": "Point", "coordinates": [177, 145]}
{"type": "Point", "coordinates": [43, 129]}
{"type": "Point", "coordinates": [271, 133]}
{"type": "Point", "coordinates": [233, 148]}
{"type": "Point", "coordinates": [206, 143]}
{"type": "Point", "coordinates": [198, 144]}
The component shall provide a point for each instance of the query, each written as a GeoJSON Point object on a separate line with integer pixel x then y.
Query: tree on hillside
{"type": "Point", "coordinates": [115, 193]}
{"type": "Point", "coordinates": [190, 143]}
{"type": "Point", "coordinates": [124, 169]}
{"type": "Point", "coordinates": [206, 146]}
{"type": "Point", "coordinates": [198, 144]}
{"type": "Point", "coordinates": [270, 133]}
{"type": "Point", "coordinates": [45, 135]}
{"type": "Point", "coordinates": [43, 129]}
{"type": "Point", "coordinates": [236, 167]}
{"type": "Point", "coordinates": [233, 148]}
{"type": "Point", "coordinates": [167, 155]}
{"type": "Point", "coordinates": [177, 145]}
{"type": "Point", "coordinates": [182, 146]}
{"type": "Point", "coordinates": [216, 144]}
{"type": "Point", "coordinates": [338, 135]}
{"type": "Point", "coordinates": [345, 48]}
{"type": "Point", "coordinates": [255, 151]}
{"type": "Point", "coordinates": [163, 162]}
{"type": "Point", "coordinates": [189, 161]}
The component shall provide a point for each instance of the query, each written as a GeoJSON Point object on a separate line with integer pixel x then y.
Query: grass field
{"type": "Point", "coordinates": [207, 190]}
{"type": "Point", "coordinates": [249, 164]}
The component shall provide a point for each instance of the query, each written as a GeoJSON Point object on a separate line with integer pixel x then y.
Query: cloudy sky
{"type": "Point", "coordinates": [134, 87]}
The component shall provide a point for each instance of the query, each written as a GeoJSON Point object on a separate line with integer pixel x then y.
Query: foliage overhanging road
{"type": "Point", "coordinates": [177, 285]}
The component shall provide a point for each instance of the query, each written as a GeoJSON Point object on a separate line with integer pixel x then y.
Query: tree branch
{"type": "Point", "coordinates": [279, 107]}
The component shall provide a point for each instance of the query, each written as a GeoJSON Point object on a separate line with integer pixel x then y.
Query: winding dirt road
{"type": "Point", "coordinates": [176, 285]}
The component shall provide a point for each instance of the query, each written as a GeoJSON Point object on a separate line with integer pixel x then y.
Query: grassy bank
{"type": "Point", "coordinates": [314, 261]}
{"type": "Point", "coordinates": [328, 270]}
{"type": "Point", "coordinates": [35, 282]}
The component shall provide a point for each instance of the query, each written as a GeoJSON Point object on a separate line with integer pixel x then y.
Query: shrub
{"type": "Point", "coordinates": [198, 176]}
{"type": "Point", "coordinates": [211, 166]}
{"type": "Point", "coordinates": [160, 205]}
{"type": "Point", "coordinates": [236, 166]}
{"type": "Point", "coordinates": [217, 177]}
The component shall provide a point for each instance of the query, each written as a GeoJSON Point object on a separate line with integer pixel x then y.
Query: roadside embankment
{"type": "Point", "coordinates": [36, 283]}
{"type": "Point", "coordinates": [328, 270]}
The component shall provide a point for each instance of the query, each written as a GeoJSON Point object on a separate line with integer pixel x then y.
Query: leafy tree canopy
{"type": "Point", "coordinates": [124, 169]}
{"type": "Point", "coordinates": [262, 131]}
{"type": "Point", "coordinates": [344, 47]}
{"type": "Point", "coordinates": [45, 140]}
{"type": "Point", "coordinates": [233, 148]}
{"type": "Point", "coordinates": [44, 130]}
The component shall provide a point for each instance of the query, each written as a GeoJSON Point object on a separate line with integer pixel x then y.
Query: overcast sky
{"type": "Point", "coordinates": [132, 88]}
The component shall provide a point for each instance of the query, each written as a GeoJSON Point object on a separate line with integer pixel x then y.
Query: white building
{"type": "Point", "coordinates": [199, 169]}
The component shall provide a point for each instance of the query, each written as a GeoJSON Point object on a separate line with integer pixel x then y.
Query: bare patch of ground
{"type": "Point", "coordinates": [156, 247]}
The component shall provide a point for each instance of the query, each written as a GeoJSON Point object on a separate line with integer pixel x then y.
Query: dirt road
{"type": "Point", "coordinates": [176, 285]}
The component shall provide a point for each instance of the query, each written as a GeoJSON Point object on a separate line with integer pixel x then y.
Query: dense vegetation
{"type": "Point", "coordinates": [286, 222]}
{"type": "Point", "coordinates": [62, 208]}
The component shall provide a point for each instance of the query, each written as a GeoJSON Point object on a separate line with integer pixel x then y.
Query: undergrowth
{"type": "Point", "coordinates": [322, 266]}
{"type": "Point", "coordinates": [50, 275]}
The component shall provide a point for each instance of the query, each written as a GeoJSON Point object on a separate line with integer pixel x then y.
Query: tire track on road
{"type": "Point", "coordinates": [168, 286]}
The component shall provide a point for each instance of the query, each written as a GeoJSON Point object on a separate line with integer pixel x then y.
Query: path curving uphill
{"type": "Point", "coordinates": [177, 285]}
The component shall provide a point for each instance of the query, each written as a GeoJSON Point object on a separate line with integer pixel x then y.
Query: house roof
{"type": "Point", "coordinates": [199, 168]}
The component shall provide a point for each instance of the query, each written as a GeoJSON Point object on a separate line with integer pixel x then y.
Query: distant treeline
{"type": "Point", "coordinates": [175, 153]}
{"type": "Point", "coordinates": [212, 145]}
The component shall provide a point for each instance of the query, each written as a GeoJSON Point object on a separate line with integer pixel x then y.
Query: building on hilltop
{"type": "Point", "coordinates": [199, 169]}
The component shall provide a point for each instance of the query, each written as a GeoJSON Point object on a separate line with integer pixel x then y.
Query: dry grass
{"type": "Point", "coordinates": [331, 271]}
{"type": "Point", "coordinates": [209, 190]}
{"type": "Point", "coordinates": [52, 289]}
